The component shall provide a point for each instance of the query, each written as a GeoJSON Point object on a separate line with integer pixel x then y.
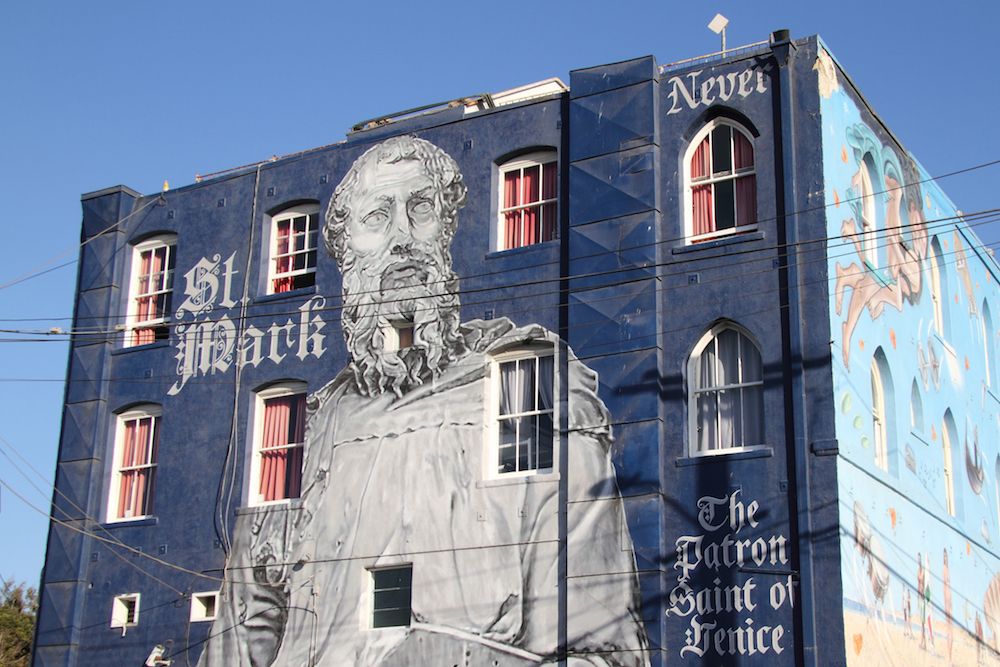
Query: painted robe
{"type": "Point", "coordinates": [393, 481]}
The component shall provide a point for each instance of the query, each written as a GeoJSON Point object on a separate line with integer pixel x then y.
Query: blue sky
{"type": "Point", "coordinates": [132, 92]}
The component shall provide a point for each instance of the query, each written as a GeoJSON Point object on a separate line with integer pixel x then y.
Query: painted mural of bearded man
{"type": "Point", "coordinates": [428, 531]}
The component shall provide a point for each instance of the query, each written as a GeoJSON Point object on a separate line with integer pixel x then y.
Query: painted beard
{"type": "Point", "coordinates": [406, 285]}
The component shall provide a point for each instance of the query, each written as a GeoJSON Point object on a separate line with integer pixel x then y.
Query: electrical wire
{"type": "Point", "coordinates": [977, 219]}
{"type": "Point", "coordinates": [162, 198]}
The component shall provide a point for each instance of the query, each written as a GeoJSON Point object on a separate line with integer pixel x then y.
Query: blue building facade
{"type": "Point", "coordinates": [682, 364]}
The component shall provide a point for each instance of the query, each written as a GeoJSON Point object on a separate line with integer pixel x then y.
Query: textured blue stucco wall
{"type": "Point", "coordinates": [629, 295]}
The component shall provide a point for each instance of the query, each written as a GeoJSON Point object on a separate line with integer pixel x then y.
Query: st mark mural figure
{"type": "Point", "coordinates": [428, 530]}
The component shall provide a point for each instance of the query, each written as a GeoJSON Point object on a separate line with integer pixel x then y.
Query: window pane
{"type": "Point", "coordinates": [545, 441]}
{"type": "Point", "coordinates": [708, 411]}
{"type": "Point", "coordinates": [549, 174]}
{"type": "Point", "coordinates": [701, 210]}
{"type": "Point", "coordinates": [507, 448]}
{"type": "Point", "coordinates": [511, 189]}
{"type": "Point", "coordinates": [545, 375]}
{"type": "Point", "coordinates": [753, 416]}
{"type": "Point", "coordinates": [508, 388]}
{"type": "Point", "coordinates": [746, 200]}
{"type": "Point", "coordinates": [722, 156]}
{"type": "Point", "coordinates": [729, 356]}
{"type": "Point", "coordinates": [730, 418]}
{"type": "Point", "coordinates": [531, 184]}
{"type": "Point", "coordinates": [751, 360]}
{"type": "Point", "coordinates": [549, 220]}
{"type": "Point", "coordinates": [706, 367]}
{"type": "Point", "coordinates": [392, 598]}
{"type": "Point", "coordinates": [699, 161]}
{"type": "Point", "coordinates": [725, 208]}
{"type": "Point", "coordinates": [527, 443]}
{"type": "Point", "coordinates": [391, 618]}
{"type": "Point", "coordinates": [526, 369]}
{"type": "Point", "coordinates": [743, 150]}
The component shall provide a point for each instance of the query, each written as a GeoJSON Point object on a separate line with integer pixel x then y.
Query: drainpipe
{"type": "Point", "coordinates": [796, 424]}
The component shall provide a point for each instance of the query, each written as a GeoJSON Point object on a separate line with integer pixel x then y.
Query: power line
{"type": "Point", "coordinates": [970, 220]}
{"type": "Point", "coordinates": [162, 197]}
{"type": "Point", "coordinates": [821, 258]}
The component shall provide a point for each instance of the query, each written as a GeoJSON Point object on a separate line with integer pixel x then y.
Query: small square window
{"type": "Point", "coordinates": [398, 336]}
{"type": "Point", "coordinates": [204, 606]}
{"type": "Point", "coordinates": [125, 611]}
{"type": "Point", "coordinates": [391, 596]}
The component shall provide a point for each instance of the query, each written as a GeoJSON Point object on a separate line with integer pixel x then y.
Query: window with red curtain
{"type": "Point", "coordinates": [529, 200]}
{"type": "Point", "coordinates": [152, 286]}
{"type": "Point", "coordinates": [293, 249]}
{"type": "Point", "coordinates": [280, 447]}
{"type": "Point", "coordinates": [723, 185]}
{"type": "Point", "coordinates": [135, 466]}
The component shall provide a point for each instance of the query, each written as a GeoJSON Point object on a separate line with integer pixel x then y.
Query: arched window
{"type": "Point", "coordinates": [725, 402]}
{"type": "Point", "coordinates": [529, 200]}
{"type": "Point", "coordinates": [880, 378]}
{"type": "Point", "coordinates": [869, 225]}
{"type": "Point", "coordinates": [150, 290]}
{"type": "Point", "coordinates": [939, 288]}
{"type": "Point", "coordinates": [133, 474]}
{"type": "Point", "coordinates": [721, 183]}
{"type": "Point", "coordinates": [278, 443]}
{"type": "Point", "coordinates": [292, 249]}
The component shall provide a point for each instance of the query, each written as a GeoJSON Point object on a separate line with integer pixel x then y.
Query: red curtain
{"type": "Point", "coordinates": [746, 200]}
{"type": "Point", "coordinates": [512, 219]}
{"type": "Point", "coordinates": [530, 191]}
{"type": "Point", "coordinates": [281, 466]}
{"type": "Point", "coordinates": [136, 487]}
{"type": "Point", "coordinates": [701, 214]}
{"type": "Point", "coordinates": [699, 162]}
{"type": "Point", "coordinates": [743, 150]}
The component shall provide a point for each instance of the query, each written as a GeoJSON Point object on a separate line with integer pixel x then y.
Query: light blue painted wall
{"type": "Point", "coordinates": [884, 279]}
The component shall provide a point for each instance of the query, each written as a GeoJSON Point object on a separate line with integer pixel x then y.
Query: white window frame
{"type": "Point", "coordinates": [145, 411]}
{"type": "Point", "coordinates": [278, 390]}
{"type": "Point", "coordinates": [520, 163]}
{"type": "Point", "coordinates": [119, 611]}
{"type": "Point", "coordinates": [132, 323]}
{"type": "Point", "coordinates": [199, 608]}
{"type": "Point", "coordinates": [879, 430]}
{"type": "Point", "coordinates": [491, 461]}
{"type": "Point", "coordinates": [712, 179]}
{"type": "Point", "coordinates": [311, 212]}
{"type": "Point", "coordinates": [369, 607]}
{"type": "Point", "coordinates": [694, 390]}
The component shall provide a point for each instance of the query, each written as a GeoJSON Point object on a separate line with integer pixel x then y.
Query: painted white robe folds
{"type": "Point", "coordinates": [390, 481]}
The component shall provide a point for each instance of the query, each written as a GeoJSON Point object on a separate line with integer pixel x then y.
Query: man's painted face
{"type": "Point", "coordinates": [393, 206]}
